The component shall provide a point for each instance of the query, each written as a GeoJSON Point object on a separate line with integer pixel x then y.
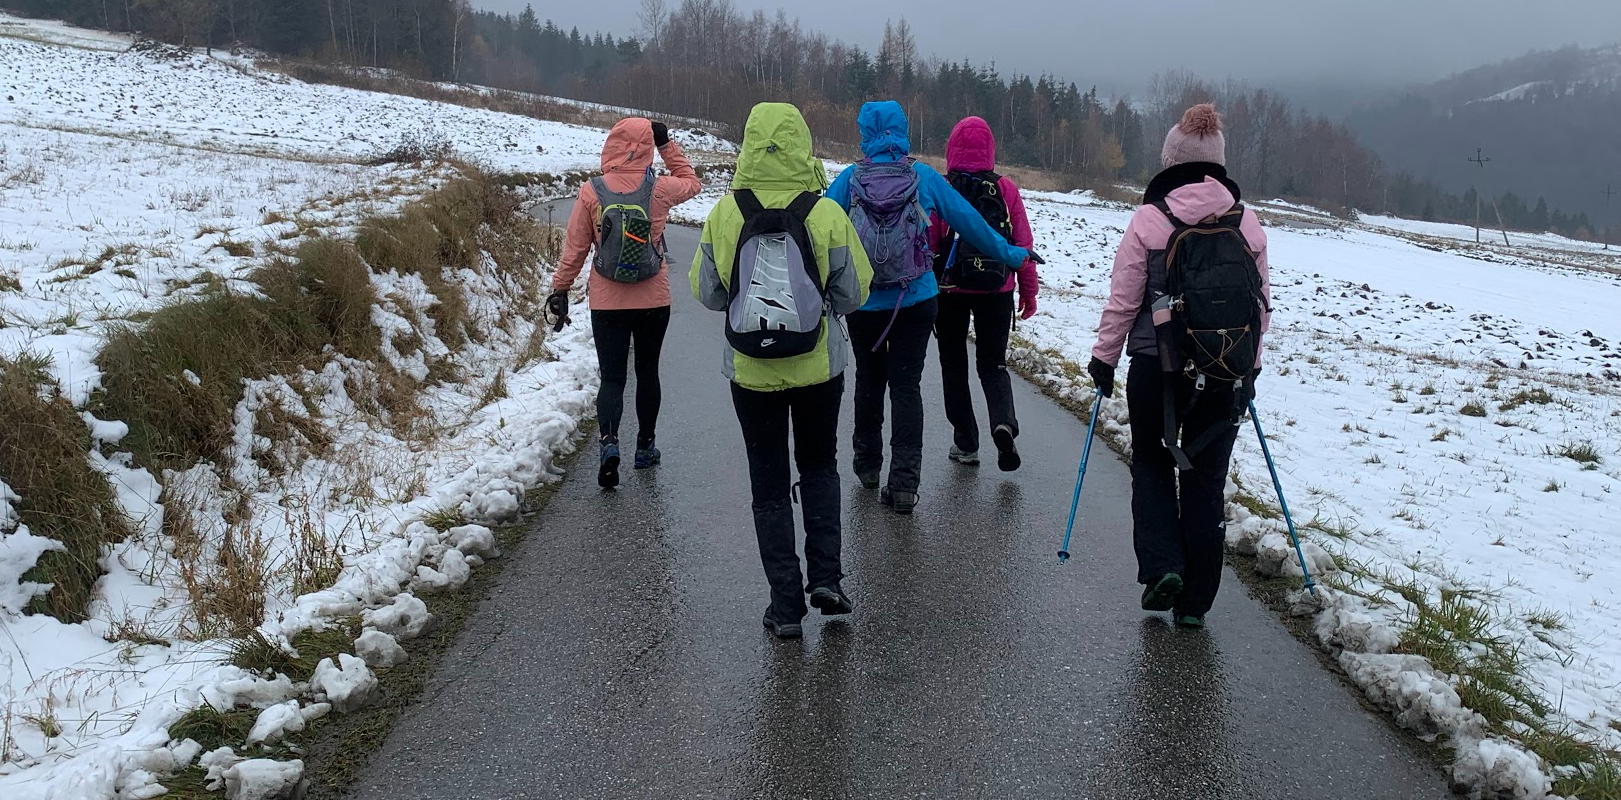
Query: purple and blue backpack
{"type": "Point", "coordinates": [891, 222]}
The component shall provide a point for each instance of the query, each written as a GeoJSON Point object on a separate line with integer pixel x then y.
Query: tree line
{"type": "Point", "coordinates": [707, 59]}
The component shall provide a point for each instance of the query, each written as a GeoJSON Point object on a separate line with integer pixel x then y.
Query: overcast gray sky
{"type": "Point", "coordinates": [1118, 43]}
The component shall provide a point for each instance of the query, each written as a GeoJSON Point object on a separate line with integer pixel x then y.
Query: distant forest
{"type": "Point", "coordinates": [706, 59]}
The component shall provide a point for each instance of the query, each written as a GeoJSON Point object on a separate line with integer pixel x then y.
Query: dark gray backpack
{"type": "Point", "coordinates": [626, 251]}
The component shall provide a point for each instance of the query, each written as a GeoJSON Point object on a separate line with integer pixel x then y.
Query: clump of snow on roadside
{"type": "Point", "coordinates": [348, 684]}
{"type": "Point", "coordinates": [263, 779]}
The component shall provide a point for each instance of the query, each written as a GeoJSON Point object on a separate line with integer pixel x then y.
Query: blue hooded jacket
{"type": "Point", "coordinates": [885, 137]}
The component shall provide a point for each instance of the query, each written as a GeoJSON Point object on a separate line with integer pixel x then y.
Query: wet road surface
{"type": "Point", "coordinates": [621, 655]}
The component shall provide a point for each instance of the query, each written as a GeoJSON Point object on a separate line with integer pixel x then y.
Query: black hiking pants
{"type": "Point", "coordinates": [896, 366]}
{"type": "Point", "coordinates": [615, 331]}
{"type": "Point", "coordinates": [992, 319]}
{"type": "Point", "coordinates": [765, 418]}
{"type": "Point", "coordinates": [1179, 521]}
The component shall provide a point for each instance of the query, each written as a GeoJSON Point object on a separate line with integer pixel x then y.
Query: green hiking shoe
{"type": "Point", "coordinates": [1161, 595]}
{"type": "Point", "coordinates": [1189, 621]}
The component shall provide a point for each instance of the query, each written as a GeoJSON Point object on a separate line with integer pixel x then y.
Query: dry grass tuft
{"type": "Point", "coordinates": [44, 448]}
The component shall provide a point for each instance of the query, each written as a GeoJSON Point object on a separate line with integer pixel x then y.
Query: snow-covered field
{"type": "Point", "coordinates": [130, 179]}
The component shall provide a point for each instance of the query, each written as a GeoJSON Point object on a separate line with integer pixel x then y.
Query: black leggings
{"type": "Point", "coordinates": [614, 332]}
{"type": "Point", "coordinates": [992, 321]}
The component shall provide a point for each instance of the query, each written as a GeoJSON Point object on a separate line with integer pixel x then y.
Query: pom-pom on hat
{"type": "Point", "coordinates": [1197, 137]}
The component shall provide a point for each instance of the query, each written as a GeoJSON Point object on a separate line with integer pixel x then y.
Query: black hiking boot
{"type": "Point", "coordinates": [608, 469]}
{"type": "Point", "coordinates": [647, 455]}
{"type": "Point", "coordinates": [782, 629]}
{"type": "Point", "coordinates": [1161, 595]}
{"type": "Point", "coordinates": [1007, 455]}
{"type": "Point", "coordinates": [967, 458]}
{"type": "Point", "coordinates": [831, 600]}
{"type": "Point", "coordinates": [902, 502]}
{"type": "Point", "coordinates": [869, 478]}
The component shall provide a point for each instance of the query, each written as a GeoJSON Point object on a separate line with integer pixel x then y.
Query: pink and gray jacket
{"type": "Point", "coordinates": [972, 148]}
{"type": "Point", "coordinates": [1194, 193]}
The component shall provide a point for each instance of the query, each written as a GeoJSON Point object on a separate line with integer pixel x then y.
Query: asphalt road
{"type": "Point", "coordinates": [621, 654]}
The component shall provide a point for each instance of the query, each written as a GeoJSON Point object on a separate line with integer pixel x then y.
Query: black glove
{"type": "Point", "coordinates": [661, 134]}
{"type": "Point", "coordinates": [557, 306]}
{"type": "Point", "coordinates": [1034, 256]}
{"type": "Point", "coordinates": [1102, 376]}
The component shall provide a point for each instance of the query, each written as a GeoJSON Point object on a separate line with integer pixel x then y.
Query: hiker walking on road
{"type": "Point", "coordinates": [622, 215]}
{"type": "Point", "coordinates": [976, 288]}
{"type": "Point", "coordinates": [891, 198]}
{"type": "Point", "coordinates": [784, 264]}
{"type": "Point", "coordinates": [1192, 258]}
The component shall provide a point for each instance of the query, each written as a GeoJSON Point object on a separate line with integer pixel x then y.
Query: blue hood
{"type": "Point", "coordinates": [884, 134]}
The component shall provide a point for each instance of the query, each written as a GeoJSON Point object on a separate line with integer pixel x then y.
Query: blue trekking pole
{"type": "Point", "coordinates": [1311, 586]}
{"type": "Point", "coordinates": [1086, 454]}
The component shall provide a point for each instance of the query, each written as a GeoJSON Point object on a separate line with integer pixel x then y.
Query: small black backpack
{"type": "Point", "coordinates": [960, 265]}
{"type": "Point", "coordinates": [1209, 321]}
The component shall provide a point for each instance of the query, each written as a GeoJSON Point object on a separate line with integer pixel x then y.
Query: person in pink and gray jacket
{"type": "Point", "coordinates": [976, 288]}
{"type": "Point", "coordinates": [1178, 531]}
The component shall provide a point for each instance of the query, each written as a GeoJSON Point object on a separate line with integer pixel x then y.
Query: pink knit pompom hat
{"type": "Point", "coordinates": [1197, 137]}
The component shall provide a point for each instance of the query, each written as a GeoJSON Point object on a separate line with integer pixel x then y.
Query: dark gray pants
{"type": "Point", "coordinates": [765, 417]}
{"type": "Point", "coordinates": [896, 366]}
{"type": "Point", "coordinates": [1179, 521]}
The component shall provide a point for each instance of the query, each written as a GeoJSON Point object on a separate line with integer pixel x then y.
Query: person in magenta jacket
{"type": "Point", "coordinates": [971, 157]}
{"type": "Point", "coordinates": [1178, 521]}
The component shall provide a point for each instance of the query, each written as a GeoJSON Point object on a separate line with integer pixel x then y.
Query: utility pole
{"type": "Point", "coordinates": [1609, 192]}
{"type": "Point", "coordinates": [1480, 161]}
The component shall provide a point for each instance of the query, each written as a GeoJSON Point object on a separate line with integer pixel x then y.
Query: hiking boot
{"type": "Point", "coordinates": [1007, 455]}
{"type": "Point", "coordinates": [967, 458]}
{"type": "Point", "coordinates": [1161, 595]}
{"type": "Point", "coordinates": [902, 502]}
{"type": "Point", "coordinates": [647, 457]}
{"type": "Point", "coordinates": [781, 628]}
{"type": "Point", "coordinates": [869, 478]}
{"type": "Point", "coordinates": [831, 600]}
{"type": "Point", "coordinates": [608, 468]}
{"type": "Point", "coordinates": [1189, 620]}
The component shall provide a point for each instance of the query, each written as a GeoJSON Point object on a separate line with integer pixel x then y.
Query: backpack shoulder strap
{"type": "Point", "coordinates": [600, 187]}
{"type": "Point", "coordinates": [1165, 208]}
{"type": "Point", "coordinates": [804, 204]}
{"type": "Point", "coordinates": [747, 203]}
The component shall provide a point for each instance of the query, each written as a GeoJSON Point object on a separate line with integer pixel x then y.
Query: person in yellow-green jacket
{"type": "Point", "coordinates": [784, 264]}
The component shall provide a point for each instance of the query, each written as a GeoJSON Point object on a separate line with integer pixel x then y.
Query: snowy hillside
{"type": "Point", "coordinates": [135, 179]}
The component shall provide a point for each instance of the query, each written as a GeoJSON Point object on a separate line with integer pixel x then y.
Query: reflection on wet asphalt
{"type": "Point", "coordinates": [621, 656]}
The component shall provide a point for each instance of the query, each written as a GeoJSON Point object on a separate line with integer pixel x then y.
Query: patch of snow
{"type": "Point", "coordinates": [263, 779]}
{"type": "Point", "coordinates": [348, 684]}
{"type": "Point", "coordinates": [379, 650]}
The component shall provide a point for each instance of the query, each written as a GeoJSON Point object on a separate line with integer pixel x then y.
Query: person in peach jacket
{"type": "Point", "coordinates": [624, 313]}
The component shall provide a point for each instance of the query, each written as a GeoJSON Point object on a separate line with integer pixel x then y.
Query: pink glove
{"type": "Point", "coordinates": [1027, 307]}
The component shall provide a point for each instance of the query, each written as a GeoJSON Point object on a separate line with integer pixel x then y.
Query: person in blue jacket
{"type": "Point", "coordinates": [894, 361]}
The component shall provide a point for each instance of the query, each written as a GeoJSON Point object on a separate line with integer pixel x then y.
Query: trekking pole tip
{"type": "Point", "coordinates": [1063, 556]}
